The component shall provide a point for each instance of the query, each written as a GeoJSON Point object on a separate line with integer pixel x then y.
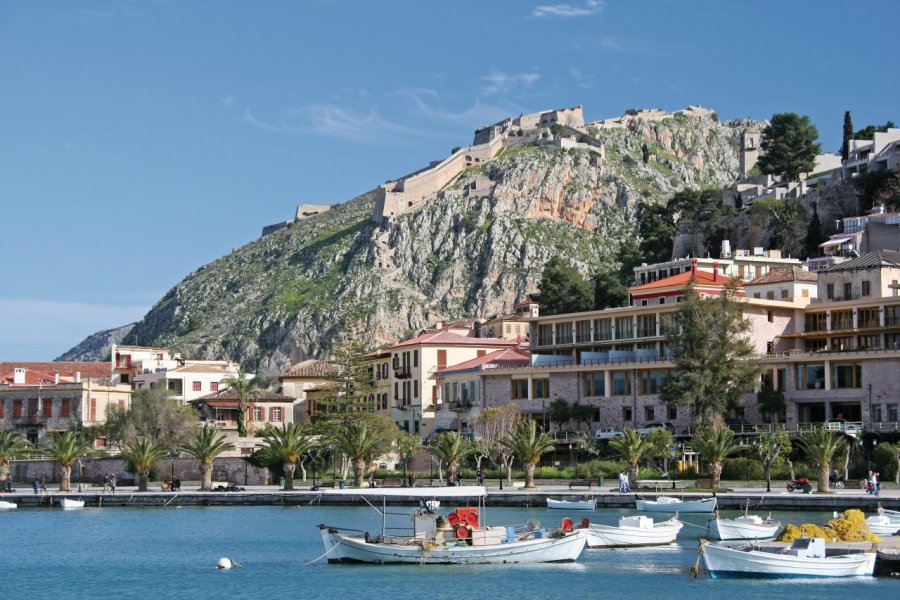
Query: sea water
{"type": "Point", "coordinates": [171, 552]}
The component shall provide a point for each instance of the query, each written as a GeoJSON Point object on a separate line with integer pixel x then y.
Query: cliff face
{"type": "Point", "coordinates": [472, 250]}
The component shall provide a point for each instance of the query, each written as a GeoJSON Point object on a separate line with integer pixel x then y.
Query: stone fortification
{"type": "Point", "coordinates": [396, 197]}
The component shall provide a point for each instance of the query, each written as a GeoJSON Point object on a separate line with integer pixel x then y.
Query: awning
{"type": "Point", "coordinates": [837, 241]}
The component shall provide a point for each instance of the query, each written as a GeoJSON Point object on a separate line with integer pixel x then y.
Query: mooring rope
{"type": "Point", "coordinates": [324, 555]}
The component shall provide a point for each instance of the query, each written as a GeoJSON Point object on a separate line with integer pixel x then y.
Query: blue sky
{"type": "Point", "coordinates": [140, 140]}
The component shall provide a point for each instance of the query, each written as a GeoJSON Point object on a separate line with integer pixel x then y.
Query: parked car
{"type": "Point", "coordinates": [654, 425]}
{"type": "Point", "coordinates": [608, 433]}
{"type": "Point", "coordinates": [565, 435]}
{"type": "Point", "coordinates": [843, 425]}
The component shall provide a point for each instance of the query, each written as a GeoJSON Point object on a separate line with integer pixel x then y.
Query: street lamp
{"type": "Point", "coordinates": [571, 460]}
{"type": "Point", "coordinates": [673, 454]}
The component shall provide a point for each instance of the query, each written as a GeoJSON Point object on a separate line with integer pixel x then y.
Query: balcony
{"type": "Point", "coordinates": [30, 420]}
{"type": "Point", "coordinates": [460, 405]}
{"type": "Point", "coordinates": [402, 371]}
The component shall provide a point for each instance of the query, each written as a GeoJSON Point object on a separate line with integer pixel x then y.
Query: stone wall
{"type": "Point", "coordinates": [232, 469]}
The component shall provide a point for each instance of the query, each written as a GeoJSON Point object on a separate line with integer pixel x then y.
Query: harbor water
{"type": "Point", "coordinates": [171, 553]}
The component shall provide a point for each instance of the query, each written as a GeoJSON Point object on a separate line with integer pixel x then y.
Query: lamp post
{"type": "Point", "coordinates": [673, 454]}
{"type": "Point", "coordinates": [80, 475]}
{"type": "Point", "coordinates": [571, 460]}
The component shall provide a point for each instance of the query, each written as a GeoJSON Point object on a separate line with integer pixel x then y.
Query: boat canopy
{"type": "Point", "coordinates": [459, 491]}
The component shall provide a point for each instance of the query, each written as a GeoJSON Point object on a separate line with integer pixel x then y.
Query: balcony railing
{"type": "Point", "coordinates": [30, 419]}
{"type": "Point", "coordinates": [460, 405]}
{"type": "Point", "coordinates": [402, 372]}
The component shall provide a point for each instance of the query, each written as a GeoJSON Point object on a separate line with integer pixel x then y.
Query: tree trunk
{"type": "Point", "coordinates": [66, 484]}
{"type": "Point", "coordinates": [632, 473]}
{"type": "Point", "coordinates": [289, 468]}
{"type": "Point", "coordinates": [790, 465]}
{"type": "Point", "coordinates": [529, 475]}
{"type": "Point", "coordinates": [359, 468]}
{"type": "Point", "coordinates": [4, 472]}
{"type": "Point", "coordinates": [715, 473]}
{"type": "Point", "coordinates": [847, 464]}
{"type": "Point", "coordinates": [143, 476]}
{"type": "Point", "coordinates": [206, 477]}
{"type": "Point", "coordinates": [822, 472]}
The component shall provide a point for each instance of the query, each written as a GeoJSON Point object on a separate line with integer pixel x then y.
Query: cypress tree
{"type": "Point", "coordinates": [848, 135]}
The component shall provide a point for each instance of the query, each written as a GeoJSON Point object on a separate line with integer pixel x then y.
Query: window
{"type": "Point", "coordinates": [196, 386]}
{"type": "Point", "coordinates": [892, 413]}
{"type": "Point", "coordinates": [257, 413]}
{"type": "Point", "coordinates": [415, 359]}
{"type": "Point", "coordinates": [756, 295]}
{"type": "Point", "coordinates": [93, 412]}
{"type": "Point", "coordinates": [829, 291]}
{"type": "Point", "coordinates": [810, 377]}
{"type": "Point", "coordinates": [508, 328]}
{"type": "Point", "coordinates": [662, 299]}
{"type": "Point", "coordinates": [846, 376]}
{"type": "Point", "coordinates": [876, 413]}
{"type": "Point", "coordinates": [541, 388]}
{"type": "Point", "coordinates": [276, 414]}
{"type": "Point", "coordinates": [214, 386]}
{"type": "Point", "coordinates": [624, 328]}
{"type": "Point", "coordinates": [866, 288]}
{"type": "Point", "coordinates": [520, 389]}
{"type": "Point", "coordinates": [784, 294]}
{"type": "Point", "coordinates": [652, 382]}
{"type": "Point", "coordinates": [602, 330]}
{"type": "Point", "coordinates": [770, 316]}
{"type": "Point", "coordinates": [17, 408]}
{"type": "Point", "coordinates": [816, 322]}
{"type": "Point", "coordinates": [47, 407]}
{"type": "Point", "coordinates": [441, 359]}
{"type": "Point", "coordinates": [643, 303]}
{"type": "Point", "coordinates": [848, 290]}
{"type": "Point", "coordinates": [649, 413]}
{"type": "Point", "coordinates": [594, 384]}
{"type": "Point", "coordinates": [626, 413]}
{"type": "Point", "coordinates": [621, 383]}
{"type": "Point", "coordinates": [804, 292]}
{"type": "Point", "coordinates": [770, 295]}
{"type": "Point", "coordinates": [672, 413]}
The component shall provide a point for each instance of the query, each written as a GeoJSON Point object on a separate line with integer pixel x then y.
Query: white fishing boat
{"type": "Point", "coordinates": [586, 504]}
{"type": "Point", "coordinates": [70, 503]}
{"type": "Point", "coordinates": [893, 515]}
{"type": "Point", "coordinates": [633, 531]}
{"type": "Point", "coordinates": [883, 525]}
{"type": "Point", "coordinates": [745, 527]}
{"type": "Point", "coordinates": [459, 538]}
{"type": "Point", "coordinates": [4, 504]}
{"type": "Point", "coordinates": [670, 504]}
{"type": "Point", "coordinates": [805, 558]}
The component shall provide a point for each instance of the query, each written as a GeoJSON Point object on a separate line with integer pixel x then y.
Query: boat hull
{"type": "Point", "coordinates": [341, 548]}
{"type": "Point", "coordinates": [733, 530]}
{"type": "Point", "coordinates": [882, 525]}
{"type": "Point", "coordinates": [722, 562]}
{"type": "Point", "coordinates": [4, 504]}
{"type": "Point", "coordinates": [608, 536]}
{"type": "Point", "coordinates": [572, 505]}
{"type": "Point", "coordinates": [68, 503]}
{"type": "Point", "coordinates": [704, 505]}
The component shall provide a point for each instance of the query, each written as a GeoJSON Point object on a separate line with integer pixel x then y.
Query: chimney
{"type": "Point", "coordinates": [693, 268]}
{"type": "Point", "coordinates": [77, 376]}
{"type": "Point", "coordinates": [716, 271]}
{"type": "Point", "coordinates": [55, 377]}
{"type": "Point", "coordinates": [18, 376]}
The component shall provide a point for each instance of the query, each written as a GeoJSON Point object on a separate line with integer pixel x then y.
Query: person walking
{"type": "Point", "coordinates": [876, 483]}
{"type": "Point", "coordinates": [36, 485]}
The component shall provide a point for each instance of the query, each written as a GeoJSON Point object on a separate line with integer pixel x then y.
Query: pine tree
{"type": "Point", "coordinates": [814, 233]}
{"type": "Point", "coordinates": [789, 146]}
{"type": "Point", "coordinates": [563, 289]}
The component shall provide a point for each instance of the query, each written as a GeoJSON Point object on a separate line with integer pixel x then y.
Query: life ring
{"type": "Point", "coordinates": [463, 532]}
{"type": "Point", "coordinates": [472, 519]}
{"type": "Point", "coordinates": [453, 518]}
{"type": "Point", "coordinates": [567, 524]}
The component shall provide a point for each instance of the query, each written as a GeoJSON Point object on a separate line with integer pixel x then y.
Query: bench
{"type": "Point", "coordinates": [855, 484]}
{"type": "Point", "coordinates": [326, 484]}
{"type": "Point", "coordinates": [581, 483]}
{"type": "Point", "coordinates": [390, 482]}
{"type": "Point", "coordinates": [703, 483]}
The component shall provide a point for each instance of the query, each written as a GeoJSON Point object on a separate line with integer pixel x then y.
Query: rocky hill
{"type": "Point", "coordinates": [473, 249]}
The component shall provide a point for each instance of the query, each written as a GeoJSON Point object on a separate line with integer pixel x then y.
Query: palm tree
{"type": "Point", "coordinates": [528, 446]}
{"type": "Point", "coordinates": [359, 444]}
{"type": "Point", "coordinates": [715, 444]}
{"type": "Point", "coordinates": [12, 445]}
{"type": "Point", "coordinates": [246, 389]}
{"type": "Point", "coordinates": [65, 448]}
{"type": "Point", "coordinates": [450, 447]}
{"type": "Point", "coordinates": [208, 443]}
{"type": "Point", "coordinates": [821, 447]}
{"type": "Point", "coordinates": [290, 445]}
{"type": "Point", "coordinates": [408, 445]}
{"type": "Point", "coordinates": [141, 454]}
{"type": "Point", "coordinates": [633, 448]}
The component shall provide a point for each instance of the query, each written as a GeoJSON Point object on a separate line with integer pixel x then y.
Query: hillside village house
{"type": "Point", "coordinates": [511, 326]}
{"type": "Point", "coordinates": [416, 397]}
{"type": "Point", "coordinates": [221, 410]}
{"type": "Point", "coordinates": [832, 357]}
{"type": "Point", "coordinates": [189, 379]}
{"type": "Point", "coordinates": [39, 398]}
{"type": "Point", "coordinates": [302, 379]}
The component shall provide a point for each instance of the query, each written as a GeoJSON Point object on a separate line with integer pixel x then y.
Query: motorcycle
{"type": "Point", "coordinates": [800, 484]}
{"type": "Point", "coordinates": [836, 481]}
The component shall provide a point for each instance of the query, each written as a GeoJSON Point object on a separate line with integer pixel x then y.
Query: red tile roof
{"type": "Point", "coordinates": [506, 357]}
{"type": "Point", "coordinates": [228, 397]}
{"type": "Point", "coordinates": [43, 373]}
{"type": "Point", "coordinates": [699, 278]}
{"type": "Point", "coordinates": [311, 368]}
{"type": "Point", "coordinates": [784, 274]}
{"type": "Point", "coordinates": [445, 338]}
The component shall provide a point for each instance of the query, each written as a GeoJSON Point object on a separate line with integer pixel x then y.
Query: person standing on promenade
{"type": "Point", "coordinates": [876, 482]}
{"type": "Point", "coordinates": [36, 485]}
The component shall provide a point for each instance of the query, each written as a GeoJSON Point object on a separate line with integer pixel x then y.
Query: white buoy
{"type": "Point", "coordinates": [224, 563]}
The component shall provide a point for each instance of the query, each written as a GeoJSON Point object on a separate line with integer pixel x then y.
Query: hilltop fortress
{"type": "Point", "coordinates": [406, 193]}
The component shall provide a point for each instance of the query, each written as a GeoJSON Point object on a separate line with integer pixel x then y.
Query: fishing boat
{"type": "Point", "coordinates": [670, 504]}
{"type": "Point", "coordinates": [5, 504]}
{"type": "Point", "coordinates": [805, 558]}
{"type": "Point", "coordinates": [745, 527]}
{"type": "Point", "coordinates": [883, 525]}
{"type": "Point", "coordinates": [633, 531]}
{"type": "Point", "coordinates": [586, 504]}
{"type": "Point", "coordinates": [70, 503]}
{"type": "Point", "coordinates": [458, 538]}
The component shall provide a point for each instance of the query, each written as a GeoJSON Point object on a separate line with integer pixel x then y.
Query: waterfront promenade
{"type": "Point", "coordinates": [738, 494]}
